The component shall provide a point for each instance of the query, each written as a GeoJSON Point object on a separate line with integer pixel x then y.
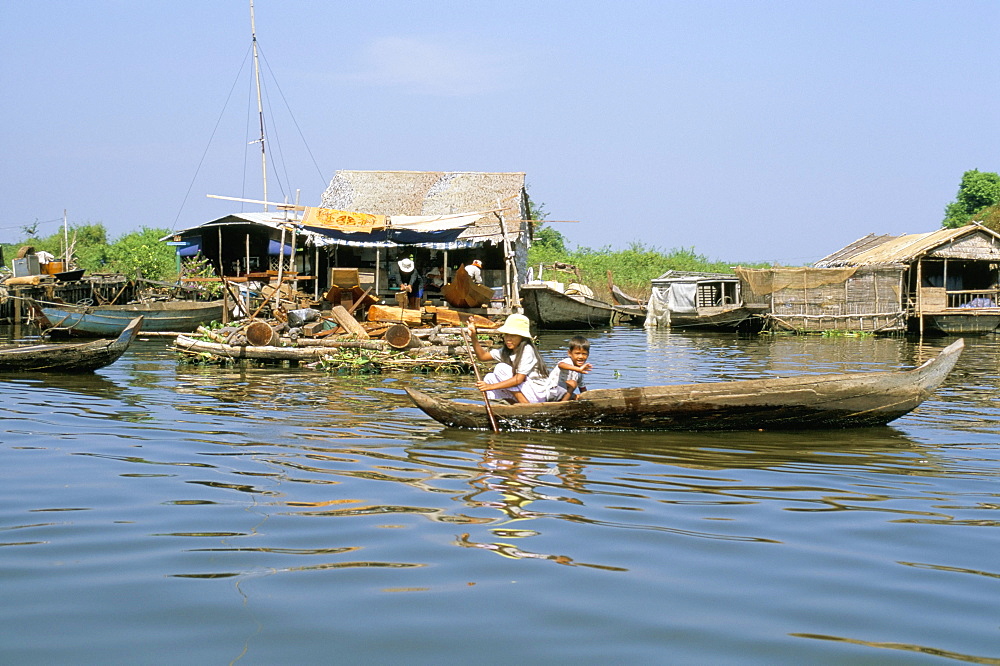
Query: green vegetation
{"type": "Point", "coordinates": [136, 251]}
{"type": "Point", "coordinates": [978, 200]}
{"type": "Point", "coordinates": [632, 269]}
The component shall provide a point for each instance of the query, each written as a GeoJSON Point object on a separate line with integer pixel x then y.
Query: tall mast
{"type": "Point", "coordinates": [260, 108]}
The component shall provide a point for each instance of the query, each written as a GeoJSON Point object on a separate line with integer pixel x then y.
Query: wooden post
{"type": "Point", "coordinates": [920, 304]}
{"type": "Point", "coordinates": [281, 264]}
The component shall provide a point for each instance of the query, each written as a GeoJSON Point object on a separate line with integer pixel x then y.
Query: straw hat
{"type": "Point", "coordinates": [406, 265]}
{"type": "Point", "coordinates": [516, 324]}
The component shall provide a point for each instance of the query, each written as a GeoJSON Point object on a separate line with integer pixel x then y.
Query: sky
{"type": "Point", "coordinates": [748, 131]}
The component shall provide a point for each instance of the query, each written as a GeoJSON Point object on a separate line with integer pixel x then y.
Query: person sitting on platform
{"type": "Point", "coordinates": [520, 375]}
{"type": "Point", "coordinates": [433, 281]}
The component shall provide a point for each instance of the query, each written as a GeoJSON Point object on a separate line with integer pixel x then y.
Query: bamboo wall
{"type": "Point", "coordinates": [828, 299]}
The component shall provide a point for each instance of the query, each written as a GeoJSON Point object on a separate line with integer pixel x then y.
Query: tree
{"type": "Point", "coordinates": [977, 191]}
{"type": "Point", "coordinates": [142, 251]}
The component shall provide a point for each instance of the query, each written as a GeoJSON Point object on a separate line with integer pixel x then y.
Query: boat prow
{"type": "Point", "coordinates": [833, 401]}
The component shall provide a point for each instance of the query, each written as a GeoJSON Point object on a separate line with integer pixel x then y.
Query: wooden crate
{"type": "Point", "coordinates": [344, 277]}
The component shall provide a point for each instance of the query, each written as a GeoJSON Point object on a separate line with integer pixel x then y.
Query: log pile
{"type": "Point", "coordinates": [390, 339]}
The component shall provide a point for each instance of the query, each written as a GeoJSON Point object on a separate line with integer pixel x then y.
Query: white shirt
{"type": "Point", "coordinates": [475, 273]}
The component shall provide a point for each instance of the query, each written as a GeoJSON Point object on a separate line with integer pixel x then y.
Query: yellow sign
{"type": "Point", "coordinates": [342, 220]}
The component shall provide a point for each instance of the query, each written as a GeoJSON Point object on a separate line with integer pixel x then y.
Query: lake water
{"type": "Point", "coordinates": [159, 513]}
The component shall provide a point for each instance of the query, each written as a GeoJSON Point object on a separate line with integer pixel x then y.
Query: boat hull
{"type": "Point", "coordinates": [850, 400]}
{"type": "Point", "coordinates": [549, 309]}
{"type": "Point", "coordinates": [159, 317]}
{"type": "Point", "coordinates": [966, 324]}
{"type": "Point", "coordinates": [69, 357]}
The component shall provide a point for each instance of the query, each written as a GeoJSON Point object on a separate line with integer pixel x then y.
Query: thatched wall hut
{"type": "Point", "coordinates": [828, 299]}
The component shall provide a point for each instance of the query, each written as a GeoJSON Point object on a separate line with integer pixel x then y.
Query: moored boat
{"type": "Point", "coordinates": [973, 323]}
{"type": "Point", "coordinates": [548, 308]}
{"type": "Point", "coordinates": [69, 357]}
{"type": "Point", "coordinates": [832, 401]}
{"type": "Point", "coordinates": [709, 301]}
{"type": "Point", "coordinates": [158, 316]}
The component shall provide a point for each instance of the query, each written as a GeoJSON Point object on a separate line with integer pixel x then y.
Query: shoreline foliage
{"type": "Point", "coordinates": [632, 268]}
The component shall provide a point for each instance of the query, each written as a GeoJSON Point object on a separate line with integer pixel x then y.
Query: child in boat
{"type": "Point", "coordinates": [567, 376]}
{"type": "Point", "coordinates": [520, 375]}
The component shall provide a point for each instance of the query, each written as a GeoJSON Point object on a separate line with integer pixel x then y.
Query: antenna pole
{"type": "Point", "coordinates": [260, 108]}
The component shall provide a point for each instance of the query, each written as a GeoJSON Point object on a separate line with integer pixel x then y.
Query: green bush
{"type": "Point", "coordinates": [142, 251]}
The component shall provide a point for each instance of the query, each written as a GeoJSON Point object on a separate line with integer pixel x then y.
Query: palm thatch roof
{"type": "Point", "coordinates": [436, 193]}
{"type": "Point", "coordinates": [972, 241]}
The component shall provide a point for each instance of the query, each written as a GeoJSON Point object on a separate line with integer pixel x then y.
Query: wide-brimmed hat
{"type": "Point", "coordinates": [405, 265]}
{"type": "Point", "coordinates": [516, 324]}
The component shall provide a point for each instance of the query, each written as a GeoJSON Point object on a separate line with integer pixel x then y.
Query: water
{"type": "Point", "coordinates": [159, 513]}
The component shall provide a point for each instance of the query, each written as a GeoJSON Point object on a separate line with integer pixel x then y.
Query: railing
{"type": "Point", "coordinates": [973, 298]}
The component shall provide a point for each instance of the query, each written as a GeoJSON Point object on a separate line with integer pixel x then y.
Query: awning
{"type": "Point", "coordinates": [359, 230]}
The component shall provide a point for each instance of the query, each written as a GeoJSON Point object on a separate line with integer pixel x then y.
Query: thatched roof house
{"type": "Point", "coordinates": [498, 196]}
{"type": "Point", "coordinates": [950, 277]}
{"type": "Point", "coordinates": [438, 193]}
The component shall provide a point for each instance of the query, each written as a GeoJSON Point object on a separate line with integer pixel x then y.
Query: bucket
{"type": "Point", "coordinates": [53, 267]}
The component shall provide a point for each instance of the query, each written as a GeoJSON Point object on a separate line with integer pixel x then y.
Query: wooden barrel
{"type": "Point", "coordinates": [398, 336]}
{"type": "Point", "coordinates": [260, 334]}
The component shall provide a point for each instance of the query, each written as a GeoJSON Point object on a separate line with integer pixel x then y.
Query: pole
{"type": "Point", "coordinates": [260, 106]}
{"type": "Point", "coordinates": [65, 242]}
{"type": "Point", "coordinates": [486, 399]}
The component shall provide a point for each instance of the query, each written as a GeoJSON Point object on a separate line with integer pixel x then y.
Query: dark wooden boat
{"type": "Point", "coordinates": [68, 357]}
{"type": "Point", "coordinates": [848, 400]}
{"type": "Point", "coordinates": [159, 316]}
{"type": "Point", "coordinates": [550, 309]}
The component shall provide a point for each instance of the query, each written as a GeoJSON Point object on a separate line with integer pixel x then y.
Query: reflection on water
{"type": "Point", "coordinates": [296, 513]}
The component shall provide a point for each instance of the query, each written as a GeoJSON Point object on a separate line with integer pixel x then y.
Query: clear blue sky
{"type": "Point", "coordinates": [750, 131]}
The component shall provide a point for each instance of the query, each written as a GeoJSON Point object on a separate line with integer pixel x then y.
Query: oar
{"type": "Point", "coordinates": [486, 398]}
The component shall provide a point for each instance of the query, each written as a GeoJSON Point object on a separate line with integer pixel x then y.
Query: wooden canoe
{"type": "Point", "coordinates": [69, 357]}
{"type": "Point", "coordinates": [848, 400]}
{"type": "Point", "coordinates": [158, 316]}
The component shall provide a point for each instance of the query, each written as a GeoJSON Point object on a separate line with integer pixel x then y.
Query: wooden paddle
{"type": "Point", "coordinates": [486, 399]}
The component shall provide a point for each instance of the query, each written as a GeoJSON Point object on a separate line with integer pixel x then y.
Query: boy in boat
{"type": "Point", "coordinates": [567, 376]}
{"type": "Point", "coordinates": [520, 375]}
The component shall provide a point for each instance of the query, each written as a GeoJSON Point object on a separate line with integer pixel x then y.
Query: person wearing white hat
{"type": "Point", "coordinates": [409, 280]}
{"type": "Point", "coordinates": [520, 375]}
{"type": "Point", "coordinates": [475, 271]}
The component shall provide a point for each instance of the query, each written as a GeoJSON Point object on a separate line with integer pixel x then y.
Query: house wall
{"type": "Point", "coordinates": [828, 299]}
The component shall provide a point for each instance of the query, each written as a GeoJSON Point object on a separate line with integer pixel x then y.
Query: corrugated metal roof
{"type": "Point", "coordinates": [899, 249]}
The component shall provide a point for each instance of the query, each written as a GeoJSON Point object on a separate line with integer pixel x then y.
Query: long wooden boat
{"type": "Point", "coordinates": [158, 316]}
{"type": "Point", "coordinates": [71, 356]}
{"type": "Point", "coordinates": [551, 309]}
{"type": "Point", "coordinates": [848, 400]}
